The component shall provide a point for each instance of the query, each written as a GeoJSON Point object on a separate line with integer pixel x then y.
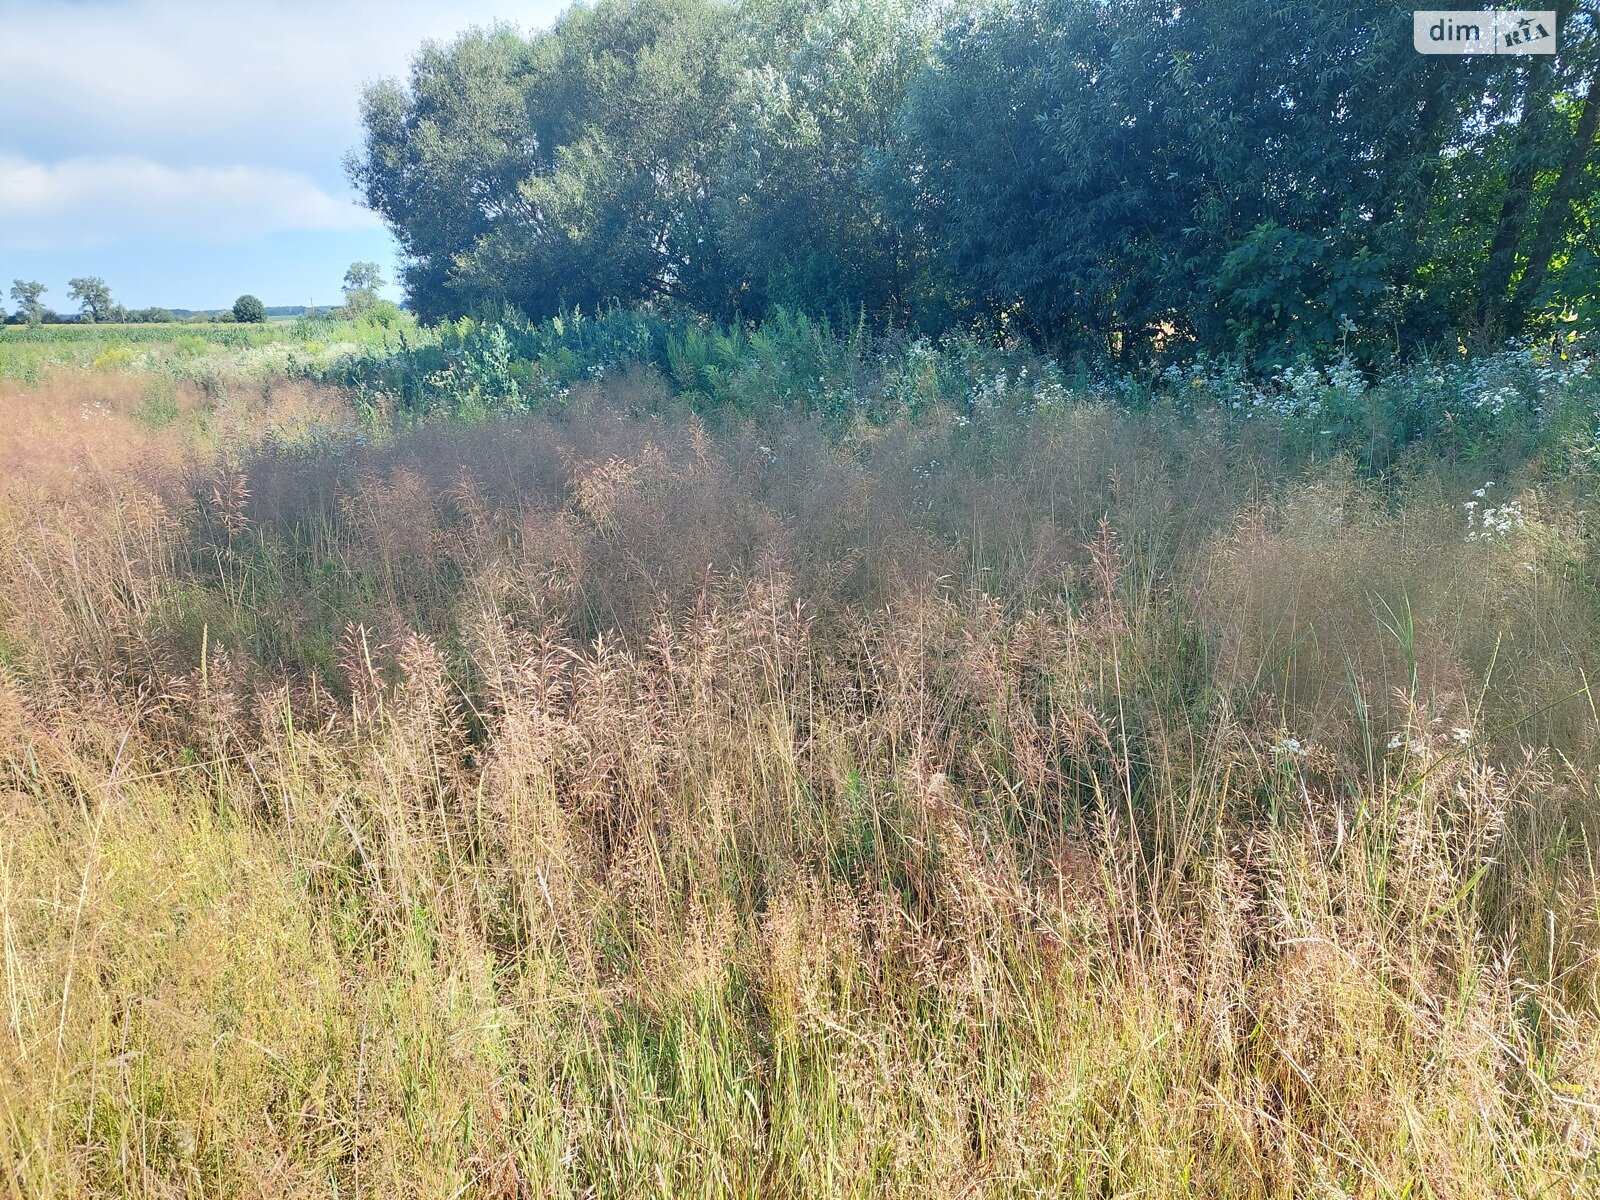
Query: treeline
{"type": "Point", "coordinates": [96, 306]}
{"type": "Point", "coordinates": [1098, 177]}
{"type": "Point", "coordinates": [123, 316]}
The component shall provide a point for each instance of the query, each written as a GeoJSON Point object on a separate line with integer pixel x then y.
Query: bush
{"type": "Point", "coordinates": [247, 310]}
{"type": "Point", "coordinates": [114, 358]}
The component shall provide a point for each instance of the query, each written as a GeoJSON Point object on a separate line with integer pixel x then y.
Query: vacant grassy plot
{"type": "Point", "coordinates": [1033, 790]}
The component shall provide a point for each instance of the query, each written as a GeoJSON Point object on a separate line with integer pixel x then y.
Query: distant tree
{"type": "Point", "coordinates": [26, 293]}
{"type": "Point", "coordinates": [247, 310]}
{"type": "Point", "coordinates": [361, 284]}
{"type": "Point", "coordinates": [93, 297]}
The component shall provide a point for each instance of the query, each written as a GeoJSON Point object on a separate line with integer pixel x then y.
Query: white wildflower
{"type": "Point", "coordinates": [1291, 747]}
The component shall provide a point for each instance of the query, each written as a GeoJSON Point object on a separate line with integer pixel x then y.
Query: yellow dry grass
{"type": "Point", "coordinates": [611, 805]}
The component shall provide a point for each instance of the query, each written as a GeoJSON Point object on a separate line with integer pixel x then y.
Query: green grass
{"type": "Point", "coordinates": [26, 353]}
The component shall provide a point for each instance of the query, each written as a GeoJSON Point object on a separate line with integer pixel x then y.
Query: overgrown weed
{"type": "Point", "coordinates": [623, 801]}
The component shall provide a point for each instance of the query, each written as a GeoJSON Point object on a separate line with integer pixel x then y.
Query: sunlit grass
{"type": "Point", "coordinates": [619, 802]}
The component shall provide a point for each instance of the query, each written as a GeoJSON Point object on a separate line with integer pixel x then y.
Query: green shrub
{"type": "Point", "coordinates": [159, 408]}
{"type": "Point", "coordinates": [189, 345]}
{"type": "Point", "coordinates": [247, 310]}
{"type": "Point", "coordinates": [114, 358]}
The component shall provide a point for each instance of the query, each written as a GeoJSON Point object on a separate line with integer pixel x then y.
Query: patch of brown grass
{"type": "Point", "coordinates": [616, 805]}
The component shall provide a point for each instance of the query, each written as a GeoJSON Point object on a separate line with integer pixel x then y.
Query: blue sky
{"type": "Point", "coordinates": [188, 151]}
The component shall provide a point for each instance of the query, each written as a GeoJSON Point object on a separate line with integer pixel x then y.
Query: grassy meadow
{"type": "Point", "coordinates": [195, 352]}
{"type": "Point", "coordinates": [625, 759]}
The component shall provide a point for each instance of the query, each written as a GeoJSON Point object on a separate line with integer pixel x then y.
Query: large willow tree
{"type": "Point", "coordinates": [1095, 175]}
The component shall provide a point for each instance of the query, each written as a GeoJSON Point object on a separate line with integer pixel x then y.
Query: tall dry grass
{"type": "Point", "coordinates": [615, 804]}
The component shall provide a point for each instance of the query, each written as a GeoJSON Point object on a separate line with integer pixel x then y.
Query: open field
{"type": "Point", "coordinates": [182, 350]}
{"type": "Point", "coordinates": [795, 768]}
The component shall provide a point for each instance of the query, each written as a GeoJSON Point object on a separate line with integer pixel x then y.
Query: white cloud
{"type": "Point", "coordinates": [198, 81]}
{"type": "Point", "coordinates": [159, 130]}
{"type": "Point", "coordinates": [95, 200]}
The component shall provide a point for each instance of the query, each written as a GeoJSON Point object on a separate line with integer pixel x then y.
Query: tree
{"type": "Point", "coordinates": [1546, 133]}
{"type": "Point", "coordinates": [247, 310]}
{"type": "Point", "coordinates": [26, 293]}
{"type": "Point", "coordinates": [93, 297]}
{"type": "Point", "coordinates": [802, 217]}
{"type": "Point", "coordinates": [1551, 229]}
{"type": "Point", "coordinates": [460, 127]}
{"type": "Point", "coordinates": [572, 168]}
{"type": "Point", "coordinates": [361, 284]}
{"type": "Point", "coordinates": [1102, 177]}
{"type": "Point", "coordinates": [1096, 175]}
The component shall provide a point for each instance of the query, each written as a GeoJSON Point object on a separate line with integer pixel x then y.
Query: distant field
{"type": "Point", "coordinates": [222, 335]}
{"type": "Point", "coordinates": [174, 348]}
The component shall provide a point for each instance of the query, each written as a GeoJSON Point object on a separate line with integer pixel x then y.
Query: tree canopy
{"type": "Point", "coordinates": [93, 297]}
{"type": "Point", "coordinates": [248, 310]}
{"type": "Point", "coordinates": [1105, 177]}
{"type": "Point", "coordinates": [27, 295]}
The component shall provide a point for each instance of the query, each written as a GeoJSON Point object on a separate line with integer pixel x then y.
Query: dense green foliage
{"type": "Point", "coordinates": [93, 297]}
{"type": "Point", "coordinates": [1102, 178]}
{"type": "Point", "coordinates": [1526, 400]}
{"type": "Point", "coordinates": [248, 310]}
{"type": "Point", "coordinates": [27, 295]}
